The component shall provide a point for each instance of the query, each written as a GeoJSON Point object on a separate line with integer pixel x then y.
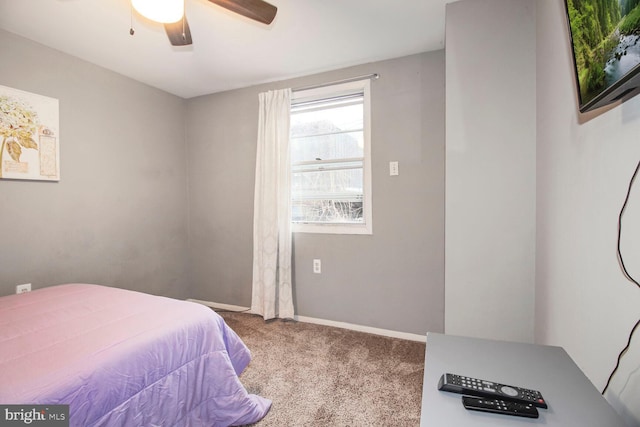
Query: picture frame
{"type": "Point", "coordinates": [29, 136]}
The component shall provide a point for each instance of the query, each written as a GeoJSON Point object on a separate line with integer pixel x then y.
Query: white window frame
{"type": "Point", "coordinates": [341, 228]}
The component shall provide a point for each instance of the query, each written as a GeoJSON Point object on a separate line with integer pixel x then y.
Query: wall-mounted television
{"type": "Point", "coordinates": [605, 37]}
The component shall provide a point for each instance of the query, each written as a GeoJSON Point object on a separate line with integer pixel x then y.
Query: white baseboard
{"type": "Point", "coordinates": [221, 306]}
{"type": "Point", "coordinates": [343, 325]}
{"type": "Point", "coordinates": [362, 328]}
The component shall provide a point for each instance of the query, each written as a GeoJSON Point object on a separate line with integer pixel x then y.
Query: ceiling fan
{"type": "Point", "coordinates": [258, 10]}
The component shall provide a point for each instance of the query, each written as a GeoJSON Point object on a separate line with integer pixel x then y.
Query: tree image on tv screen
{"type": "Point", "coordinates": [606, 42]}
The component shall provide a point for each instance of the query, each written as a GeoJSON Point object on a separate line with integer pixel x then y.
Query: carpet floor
{"type": "Point", "coordinates": [325, 376]}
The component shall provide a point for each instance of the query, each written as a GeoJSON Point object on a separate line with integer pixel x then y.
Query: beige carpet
{"type": "Point", "coordinates": [323, 376]}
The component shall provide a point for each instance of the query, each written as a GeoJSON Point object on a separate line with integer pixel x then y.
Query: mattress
{"type": "Point", "coordinates": [123, 358]}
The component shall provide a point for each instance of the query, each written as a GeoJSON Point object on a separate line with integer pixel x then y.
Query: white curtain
{"type": "Point", "coordinates": [271, 295]}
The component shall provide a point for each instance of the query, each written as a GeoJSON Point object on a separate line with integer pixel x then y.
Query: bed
{"type": "Point", "coordinates": [123, 358]}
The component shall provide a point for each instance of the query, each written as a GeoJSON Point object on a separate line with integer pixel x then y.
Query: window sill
{"type": "Point", "coordinates": [332, 228]}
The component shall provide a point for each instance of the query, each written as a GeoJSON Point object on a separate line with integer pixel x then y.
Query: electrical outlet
{"type": "Point", "coordinates": [21, 289]}
{"type": "Point", "coordinates": [317, 266]}
{"type": "Point", "coordinates": [393, 169]}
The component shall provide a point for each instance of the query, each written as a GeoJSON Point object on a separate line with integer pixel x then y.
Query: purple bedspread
{"type": "Point", "coordinates": [123, 358]}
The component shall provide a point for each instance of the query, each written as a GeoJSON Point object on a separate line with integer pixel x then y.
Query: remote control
{"type": "Point", "coordinates": [482, 388]}
{"type": "Point", "coordinates": [498, 406]}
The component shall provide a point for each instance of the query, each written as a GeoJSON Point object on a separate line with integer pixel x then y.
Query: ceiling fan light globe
{"type": "Point", "coordinates": [164, 11]}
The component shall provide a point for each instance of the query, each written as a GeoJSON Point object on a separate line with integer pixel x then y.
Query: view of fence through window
{"type": "Point", "coordinates": [327, 157]}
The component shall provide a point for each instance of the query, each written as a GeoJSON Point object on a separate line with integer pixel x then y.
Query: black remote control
{"type": "Point", "coordinates": [498, 406]}
{"type": "Point", "coordinates": [482, 388]}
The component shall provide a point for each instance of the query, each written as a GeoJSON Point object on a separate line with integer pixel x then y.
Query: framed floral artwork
{"type": "Point", "coordinates": [29, 136]}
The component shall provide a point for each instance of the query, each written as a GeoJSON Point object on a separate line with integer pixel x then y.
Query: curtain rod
{"type": "Point", "coordinates": [373, 76]}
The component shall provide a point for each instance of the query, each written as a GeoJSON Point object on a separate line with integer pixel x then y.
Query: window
{"type": "Point", "coordinates": [330, 159]}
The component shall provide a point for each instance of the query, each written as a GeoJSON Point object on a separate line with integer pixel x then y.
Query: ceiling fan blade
{"type": "Point", "coordinates": [257, 10]}
{"type": "Point", "coordinates": [178, 32]}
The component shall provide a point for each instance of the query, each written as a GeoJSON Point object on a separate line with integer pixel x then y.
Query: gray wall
{"type": "Point", "coordinates": [393, 279]}
{"type": "Point", "coordinates": [117, 216]}
{"type": "Point", "coordinates": [491, 169]}
{"type": "Point", "coordinates": [583, 301]}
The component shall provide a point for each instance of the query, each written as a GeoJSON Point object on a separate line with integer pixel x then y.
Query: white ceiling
{"type": "Point", "coordinates": [230, 51]}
